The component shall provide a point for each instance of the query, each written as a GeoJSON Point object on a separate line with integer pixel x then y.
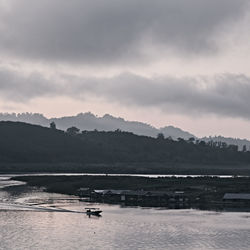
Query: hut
{"type": "Point", "coordinates": [237, 198]}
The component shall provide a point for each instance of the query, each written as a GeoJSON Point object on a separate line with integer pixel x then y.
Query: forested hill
{"type": "Point", "coordinates": [88, 121]}
{"type": "Point", "coordinates": [26, 143]}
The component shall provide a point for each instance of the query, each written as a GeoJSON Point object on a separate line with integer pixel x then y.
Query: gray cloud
{"type": "Point", "coordinates": [16, 87]}
{"type": "Point", "coordinates": [223, 95]}
{"type": "Point", "coordinates": [226, 95]}
{"type": "Point", "coordinates": [112, 31]}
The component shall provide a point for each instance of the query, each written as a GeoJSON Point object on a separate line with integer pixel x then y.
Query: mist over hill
{"type": "Point", "coordinates": [89, 121]}
{"type": "Point", "coordinates": [32, 118]}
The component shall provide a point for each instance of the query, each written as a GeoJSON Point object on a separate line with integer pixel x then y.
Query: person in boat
{"type": "Point", "coordinates": [94, 211]}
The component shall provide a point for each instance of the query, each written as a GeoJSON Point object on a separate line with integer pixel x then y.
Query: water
{"type": "Point", "coordinates": [135, 175]}
{"type": "Point", "coordinates": [34, 219]}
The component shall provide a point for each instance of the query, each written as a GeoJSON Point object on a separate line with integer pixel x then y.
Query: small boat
{"type": "Point", "coordinates": [93, 211]}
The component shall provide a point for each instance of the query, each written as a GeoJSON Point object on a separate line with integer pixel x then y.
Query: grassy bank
{"type": "Point", "coordinates": [205, 191]}
{"type": "Point", "coordinates": [128, 168]}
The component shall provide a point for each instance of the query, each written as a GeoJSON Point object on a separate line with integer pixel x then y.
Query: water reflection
{"type": "Point", "coordinates": [26, 227]}
{"type": "Point", "coordinates": [135, 175]}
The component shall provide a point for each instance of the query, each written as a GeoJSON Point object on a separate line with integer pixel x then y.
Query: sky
{"type": "Point", "coordinates": [164, 62]}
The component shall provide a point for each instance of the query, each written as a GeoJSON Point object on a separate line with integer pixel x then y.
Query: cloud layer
{"type": "Point", "coordinates": [226, 95]}
{"type": "Point", "coordinates": [55, 48]}
{"type": "Point", "coordinates": [112, 31]}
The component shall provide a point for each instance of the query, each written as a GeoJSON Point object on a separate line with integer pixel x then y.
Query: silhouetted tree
{"type": "Point", "coordinates": [233, 148]}
{"type": "Point", "coordinates": [52, 125]}
{"type": "Point", "coordinates": [180, 139]}
{"type": "Point", "coordinates": [202, 143]}
{"type": "Point", "coordinates": [191, 140]}
{"type": "Point", "coordinates": [160, 136]}
{"type": "Point", "coordinates": [73, 131]}
{"type": "Point", "coordinates": [169, 138]}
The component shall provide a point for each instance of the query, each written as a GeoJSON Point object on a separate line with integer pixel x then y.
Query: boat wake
{"type": "Point", "coordinates": [25, 207]}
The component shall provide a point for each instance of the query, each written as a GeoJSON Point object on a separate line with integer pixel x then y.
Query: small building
{"type": "Point", "coordinates": [84, 192]}
{"type": "Point", "coordinates": [237, 199]}
{"type": "Point", "coordinates": [109, 194]}
{"type": "Point", "coordinates": [138, 197]}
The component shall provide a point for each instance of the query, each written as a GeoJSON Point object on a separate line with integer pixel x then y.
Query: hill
{"type": "Point", "coordinates": [22, 143]}
{"type": "Point", "coordinates": [89, 121]}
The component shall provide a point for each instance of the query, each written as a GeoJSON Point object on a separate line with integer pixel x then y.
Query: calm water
{"type": "Point", "coordinates": [33, 219]}
{"type": "Point", "coordinates": [137, 175]}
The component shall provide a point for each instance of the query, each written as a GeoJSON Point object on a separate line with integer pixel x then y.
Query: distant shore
{"type": "Point", "coordinates": [200, 192]}
{"type": "Point", "coordinates": [127, 168]}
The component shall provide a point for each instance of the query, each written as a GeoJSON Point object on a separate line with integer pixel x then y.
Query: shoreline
{"type": "Point", "coordinates": [173, 192]}
{"type": "Point", "coordinates": [126, 168]}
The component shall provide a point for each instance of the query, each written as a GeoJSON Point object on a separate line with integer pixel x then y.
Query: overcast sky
{"type": "Point", "coordinates": [165, 62]}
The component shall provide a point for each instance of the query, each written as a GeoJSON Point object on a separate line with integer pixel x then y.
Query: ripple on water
{"type": "Point", "coordinates": [118, 228]}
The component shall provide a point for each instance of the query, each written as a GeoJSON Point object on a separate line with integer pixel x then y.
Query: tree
{"type": "Point", "coordinates": [160, 136]}
{"type": "Point", "coordinates": [202, 143]}
{"type": "Point", "coordinates": [169, 138]}
{"type": "Point", "coordinates": [233, 148]}
{"type": "Point", "coordinates": [191, 140]}
{"type": "Point", "coordinates": [73, 131]}
{"type": "Point", "coordinates": [52, 125]}
{"type": "Point", "coordinates": [180, 139]}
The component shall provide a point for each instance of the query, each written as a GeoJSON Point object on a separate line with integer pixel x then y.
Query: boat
{"type": "Point", "coordinates": [93, 211]}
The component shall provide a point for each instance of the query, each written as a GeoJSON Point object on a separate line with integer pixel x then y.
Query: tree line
{"type": "Point", "coordinates": [22, 142]}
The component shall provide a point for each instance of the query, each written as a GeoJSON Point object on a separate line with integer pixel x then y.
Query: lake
{"type": "Point", "coordinates": [33, 219]}
{"type": "Point", "coordinates": [135, 175]}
